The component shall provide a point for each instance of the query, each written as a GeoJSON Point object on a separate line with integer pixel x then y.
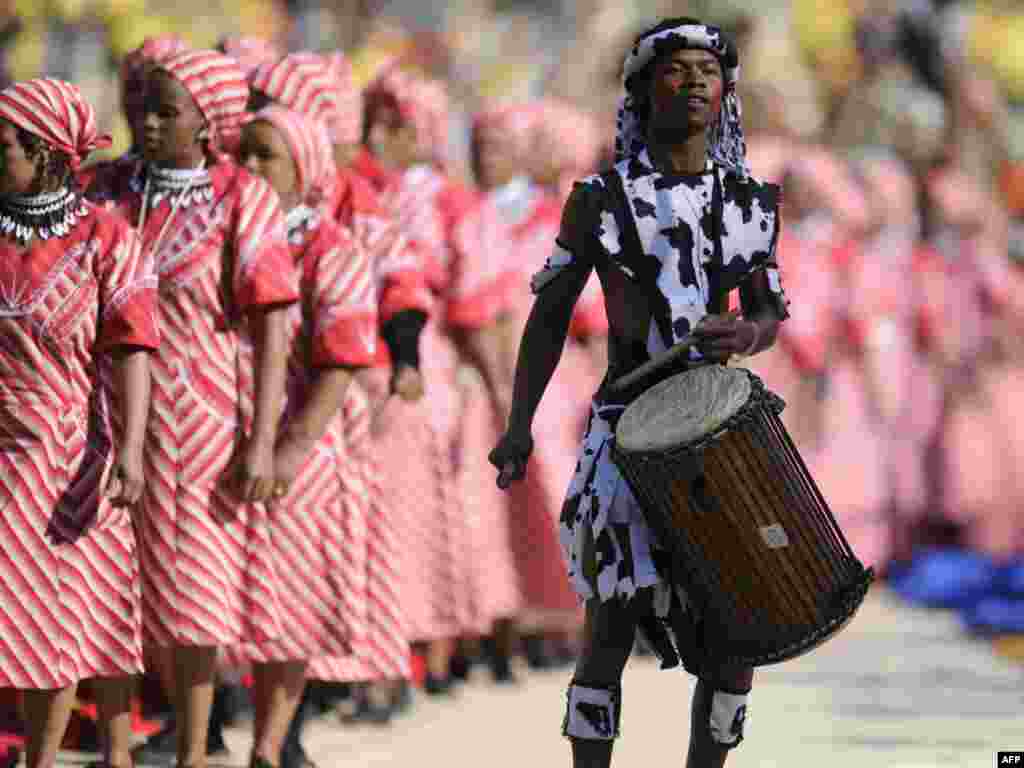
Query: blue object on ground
{"type": "Point", "coordinates": [995, 615]}
{"type": "Point", "coordinates": [945, 578]}
{"type": "Point", "coordinates": [1011, 579]}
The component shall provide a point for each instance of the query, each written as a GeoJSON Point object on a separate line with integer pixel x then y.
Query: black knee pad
{"type": "Point", "coordinates": [592, 713]}
{"type": "Point", "coordinates": [726, 712]}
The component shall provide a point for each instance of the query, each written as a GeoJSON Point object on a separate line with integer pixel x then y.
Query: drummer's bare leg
{"type": "Point", "coordinates": [594, 699]}
{"type": "Point", "coordinates": [717, 715]}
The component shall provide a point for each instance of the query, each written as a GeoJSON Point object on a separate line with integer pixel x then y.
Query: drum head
{"type": "Point", "coordinates": [683, 409]}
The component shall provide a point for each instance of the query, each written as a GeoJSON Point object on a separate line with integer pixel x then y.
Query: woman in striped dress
{"type": "Point", "coordinates": [322, 90]}
{"type": "Point", "coordinates": [134, 69]}
{"type": "Point", "coordinates": [77, 304]}
{"type": "Point", "coordinates": [333, 332]}
{"type": "Point", "coordinates": [407, 131]}
{"type": "Point", "coordinates": [217, 236]}
{"type": "Point", "coordinates": [517, 225]}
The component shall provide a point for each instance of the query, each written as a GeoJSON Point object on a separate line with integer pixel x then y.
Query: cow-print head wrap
{"type": "Point", "coordinates": [726, 145]}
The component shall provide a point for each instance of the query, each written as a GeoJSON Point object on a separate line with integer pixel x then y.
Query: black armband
{"type": "Point", "coordinates": [402, 335]}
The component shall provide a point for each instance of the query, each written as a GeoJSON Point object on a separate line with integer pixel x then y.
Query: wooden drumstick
{"type": "Point", "coordinates": [669, 356]}
{"type": "Point", "coordinates": [642, 372]}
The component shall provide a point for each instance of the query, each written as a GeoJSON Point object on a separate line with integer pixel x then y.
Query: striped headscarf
{"type": "Point", "coordinates": [217, 86]}
{"type": "Point", "coordinates": [250, 52]}
{"type": "Point", "coordinates": [571, 139]}
{"type": "Point", "coordinates": [424, 104]}
{"type": "Point", "coordinates": [310, 149]}
{"type": "Point", "coordinates": [56, 112]}
{"type": "Point", "coordinates": [348, 127]}
{"type": "Point", "coordinates": [134, 67]}
{"type": "Point", "coordinates": [726, 144]}
{"type": "Point", "coordinates": [302, 82]}
{"type": "Point", "coordinates": [509, 128]}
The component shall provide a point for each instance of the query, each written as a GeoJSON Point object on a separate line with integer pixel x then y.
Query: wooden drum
{"type": "Point", "coordinates": [752, 541]}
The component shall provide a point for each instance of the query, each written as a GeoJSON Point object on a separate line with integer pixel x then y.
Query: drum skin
{"type": "Point", "coordinates": [752, 541]}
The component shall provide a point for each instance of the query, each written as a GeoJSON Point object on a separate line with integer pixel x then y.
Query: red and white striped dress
{"type": "Point", "coordinates": [69, 580]}
{"type": "Point", "coordinates": [312, 527]}
{"type": "Point", "coordinates": [379, 640]}
{"type": "Point", "coordinates": [420, 437]}
{"type": "Point", "coordinates": [508, 236]}
{"type": "Point", "coordinates": [208, 566]}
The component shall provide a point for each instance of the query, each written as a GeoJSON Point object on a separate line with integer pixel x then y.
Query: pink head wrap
{"type": "Point", "coordinates": [217, 85]}
{"type": "Point", "coordinates": [250, 52]}
{"type": "Point", "coordinates": [310, 149]}
{"type": "Point", "coordinates": [348, 128]}
{"type": "Point", "coordinates": [302, 82]}
{"type": "Point", "coordinates": [832, 184]}
{"type": "Point", "coordinates": [509, 128]}
{"type": "Point", "coordinates": [133, 69]}
{"type": "Point", "coordinates": [56, 112]}
{"type": "Point", "coordinates": [424, 104]}
{"type": "Point", "coordinates": [571, 140]}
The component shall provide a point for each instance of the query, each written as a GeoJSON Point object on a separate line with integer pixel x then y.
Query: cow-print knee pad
{"type": "Point", "coordinates": [592, 713]}
{"type": "Point", "coordinates": [727, 716]}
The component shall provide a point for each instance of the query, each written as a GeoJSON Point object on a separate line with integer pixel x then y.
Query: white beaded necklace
{"type": "Point", "coordinates": [156, 176]}
{"type": "Point", "coordinates": [42, 216]}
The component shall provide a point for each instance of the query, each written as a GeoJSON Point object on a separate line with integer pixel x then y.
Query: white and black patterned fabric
{"type": "Point", "coordinates": [684, 259]}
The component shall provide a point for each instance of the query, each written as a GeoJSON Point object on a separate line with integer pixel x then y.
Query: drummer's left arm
{"type": "Point", "coordinates": [764, 306]}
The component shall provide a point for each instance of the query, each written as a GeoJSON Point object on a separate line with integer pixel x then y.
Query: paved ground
{"type": "Point", "coordinates": [898, 689]}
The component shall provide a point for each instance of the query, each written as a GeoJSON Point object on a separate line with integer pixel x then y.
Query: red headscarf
{"type": "Point", "coordinates": [135, 63]}
{"type": "Point", "coordinates": [511, 128]}
{"type": "Point", "coordinates": [217, 86]}
{"type": "Point", "coordinates": [571, 139]}
{"type": "Point", "coordinates": [56, 112]}
{"type": "Point", "coordinates": [302, 82]}
{"type": "Point", "coordinates": [310, 149]}
{"type": "Point", "coordinates": [424, 104]}
{"type": "Point", "coordinates": [250, 52]}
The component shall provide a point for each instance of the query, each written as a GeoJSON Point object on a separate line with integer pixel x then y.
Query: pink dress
{"type": "Point", "coordinates": [379, 644]}
{"type": "Point", "coordinates": [378, 634]}
{"type": "Point", "coordinates": [310, 528]}
{"type": "Point", "coordinates": [428, 512]}
{"type": "Point", "coordinates": [69, 577]}
{"type": "Point", "coordinates": [209, 574]}
{"type": "Point", "coordinates": [851, 467]}
{"type": "Point", "coordinates": [509, 236]}
{"type": "Point", "coordinates": [978, 459]}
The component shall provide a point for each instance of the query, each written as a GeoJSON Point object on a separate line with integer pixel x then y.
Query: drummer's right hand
{"type": "Point", "coordinates": [510, 457]}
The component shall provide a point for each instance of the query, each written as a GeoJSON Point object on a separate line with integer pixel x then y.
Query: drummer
{"type": "Point", "coordinates": [680, 159]}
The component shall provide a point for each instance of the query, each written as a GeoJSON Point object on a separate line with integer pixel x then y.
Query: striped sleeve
{"type": "Point", "coordinates": [264, 271]}
{"type": "Point", "coordinates": [343, 301]}
{"type": "Point", "coordinates": [481, 286]}
{"type": "Point", "coordinates": [402, 283]}
{"type": "Point", "coordinates": [128, 290]}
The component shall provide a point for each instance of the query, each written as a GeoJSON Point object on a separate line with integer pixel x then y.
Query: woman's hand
{"type": "Point", "coordinates": [254, 471]}
{"type": "Point", "coordinates": [407, 383]}
{"type": "Point", "coordinates": [125, 482]}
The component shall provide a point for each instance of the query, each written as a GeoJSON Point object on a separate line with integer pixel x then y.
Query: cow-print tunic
{"type": "Point", "coordinates": [653, 299]}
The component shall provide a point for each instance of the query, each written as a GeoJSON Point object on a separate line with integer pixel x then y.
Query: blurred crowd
{"type": "Point", "coordinates": [896, 128]}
